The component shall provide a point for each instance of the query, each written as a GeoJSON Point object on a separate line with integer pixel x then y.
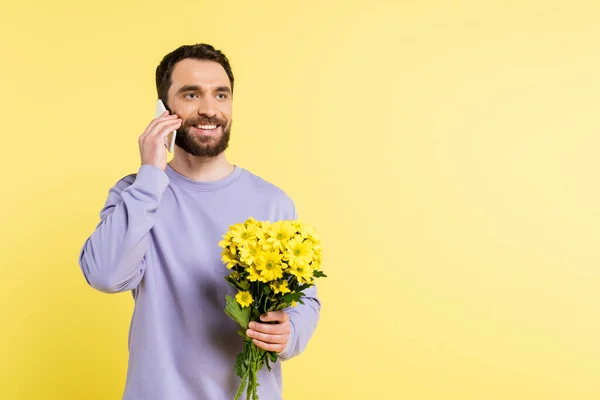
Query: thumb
{"type": "Point", "coordinates": [278, 316]}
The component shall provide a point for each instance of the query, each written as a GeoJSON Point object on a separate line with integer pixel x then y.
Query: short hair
{"type": "Point", "coordinates": [200, 51]}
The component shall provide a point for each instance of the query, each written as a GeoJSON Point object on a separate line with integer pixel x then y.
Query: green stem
{"type": "Point", "coordinates": [242, 386]}
{"type": "Point", "coordinates": [259, 303]}
{"type": "Point", "coordinates": [254, 387]}
{"type": "Point", "coordinates": [250, 367]}
{"type": "Point", "coordinates": [254, 359]}
{"type": "Point", "coordinates": [249, 391]}
{"type": "Point", "coordinates": [259, 361]}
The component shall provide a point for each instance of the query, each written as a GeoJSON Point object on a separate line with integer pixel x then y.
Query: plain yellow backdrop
{"type": "Point", "coordinates": [447, 151]}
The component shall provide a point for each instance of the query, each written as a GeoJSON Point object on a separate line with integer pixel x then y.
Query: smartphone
{"type": "Point", "coordinates": [170, 140]}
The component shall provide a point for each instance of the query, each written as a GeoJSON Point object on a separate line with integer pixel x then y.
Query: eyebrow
{"type": "Point", "coordinates": [196, 88]}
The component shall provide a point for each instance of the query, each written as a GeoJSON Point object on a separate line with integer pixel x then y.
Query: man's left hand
{"type": "Point", "coordinates": [271, 337]}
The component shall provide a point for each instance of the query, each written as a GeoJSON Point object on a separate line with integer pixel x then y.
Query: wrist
{"type": "Point", "coordinates": [152, 178]}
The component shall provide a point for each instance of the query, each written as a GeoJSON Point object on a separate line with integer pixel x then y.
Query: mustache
{"type": "Point", "coordinates": [206, 121]}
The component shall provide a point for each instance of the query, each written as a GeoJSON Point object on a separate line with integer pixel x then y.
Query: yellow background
{"type": "Point", "coordinates": [447, 151]}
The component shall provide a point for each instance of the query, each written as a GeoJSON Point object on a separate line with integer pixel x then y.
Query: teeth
{"type": "Point", "coordinates": [206, 127]}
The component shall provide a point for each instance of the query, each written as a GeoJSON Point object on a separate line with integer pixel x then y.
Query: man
{"type": "Point", "coordinates": [159, 234]}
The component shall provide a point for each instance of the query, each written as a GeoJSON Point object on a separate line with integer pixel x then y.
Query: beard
{"type": "Point", "coordinates": [203, 146]}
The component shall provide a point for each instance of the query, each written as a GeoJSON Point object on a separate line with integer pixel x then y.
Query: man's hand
{"type": "Point", "coordinates": [271, 337]}
{"type": "Point", "coordinates": [152, 141]}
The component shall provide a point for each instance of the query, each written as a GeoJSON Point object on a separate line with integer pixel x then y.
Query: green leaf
{"type": "Point", "coordinates": [302, 287]}
{"type": "Point", "coordinates": [244, 285]}
{"type": "Point", "coordinates": [267, 363]}
{"type": "Point", "coordinates": [319, 274]}
{"type": "Point", "coordinates": [289, 297]}
{"type": "Point", "coordinates": [273, 356]}
{"type": "Point", "coordinates": [239, 314]}
{"type": "Point", "coordinates": [240, 365]}
{"type": "Point", "coordinates": [266, 289]}
{"type": "Point", "coordinates": [238, 284]}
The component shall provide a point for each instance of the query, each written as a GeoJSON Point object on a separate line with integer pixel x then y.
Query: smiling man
{"type": "Point", "coordinates": [158, 238]}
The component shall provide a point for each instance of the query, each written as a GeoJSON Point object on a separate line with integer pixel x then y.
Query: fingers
{"type": "Point", "coordinates": [268, 338]}
{"type": "Point", "coordinates": [164, 116]}
{"type": "Point", "coordinates": [271, 337]}
{"type": "Point", "coordinates": [151, 142]}
{"type": "Point", "coordinates": [280, 316]}
{"type": "Point", "coordinates": [274, 329]}
{"type": "Point", "coordinates": [269, 346]}
{"type": "Point", "coordinates": [158, 123]}
{"type": "Point", "coordinates": [165, 129]}
{"type": "Point", "coordinates": [163, 126]}
{"type": "Point", "coordinates": [160, 131]}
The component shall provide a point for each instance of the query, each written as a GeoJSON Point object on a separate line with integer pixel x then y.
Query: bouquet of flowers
{"type": "Point", "coordinates": [271, 263]}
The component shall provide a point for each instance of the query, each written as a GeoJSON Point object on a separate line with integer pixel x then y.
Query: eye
{"type": "Point", "coordinates": [190, 94]}
{"type": "Point", "coordinates": [222, 96]}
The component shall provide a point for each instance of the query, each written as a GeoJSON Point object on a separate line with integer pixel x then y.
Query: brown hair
{"type": "Point", "coordinates": [199, 51]}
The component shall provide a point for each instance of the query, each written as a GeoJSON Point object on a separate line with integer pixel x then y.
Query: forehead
{"type": "Point", "coordinates": [198, 72]}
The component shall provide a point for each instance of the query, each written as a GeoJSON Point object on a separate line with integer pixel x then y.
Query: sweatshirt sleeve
{"type": "Point", "coordinates": [113, 257]}
{"type": "Point", "coordinates": [303, 318]}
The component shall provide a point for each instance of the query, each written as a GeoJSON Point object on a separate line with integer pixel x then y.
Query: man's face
{"type": "Point", "coordinates": [200, 94]}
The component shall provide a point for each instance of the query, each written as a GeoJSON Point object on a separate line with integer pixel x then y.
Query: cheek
{"type": "Point", "coordinates": [184, 115]}
{"type": "Point", "coordinates": [225, 111]}
{"type": "Point", "coordinates": [183, 109]}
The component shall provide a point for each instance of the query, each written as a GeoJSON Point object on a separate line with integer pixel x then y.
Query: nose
{"type": "Point", "coordinates": [207, 107]}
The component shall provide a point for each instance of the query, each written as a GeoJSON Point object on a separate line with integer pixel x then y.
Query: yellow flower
{"type": "Point", "coordinates": [249, 253]}
{"type": "Point", "coordinates": [316, 264]}
{"type": "Point", "coordinates": [254, 274]}
{"type": "Point", "coordinates": [309, 232]}
{"type": "Point", "coordinates": [229, 258]}
{"type": "Point", "coordinates": [303, 273]}
{"type": "Point", "coordinates": [244, 298]}
{"type": "Point", "coordinates": [226, 242]}
{"type": "Point", "coordinates": [269, 265]}
{"type": "Point", "coordinates": [279, 233]}
{"type": "Point", "coordinates": [261, 236]}
{"type": "Point", "coordinates": [317, 257]}
{"type": "Point", "coordinates": [250, 221]}
{"type": "Point", "coordinates": [280, 287]}
{"type": "Point", "coordinates": [293, 303]}
{"type": "Point", "coordinates": [242, 235]}
{"type": "Point", "coordinates": [297, 225]}
{"type": "Point", "coordinates": [298, 252]}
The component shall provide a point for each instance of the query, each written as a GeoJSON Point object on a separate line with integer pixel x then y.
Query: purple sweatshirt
{"type": "Point", "coordinates": [158, 237]}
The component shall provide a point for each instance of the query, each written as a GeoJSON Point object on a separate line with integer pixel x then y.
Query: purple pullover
{"type": "Point", "coordinates": [158, 237]}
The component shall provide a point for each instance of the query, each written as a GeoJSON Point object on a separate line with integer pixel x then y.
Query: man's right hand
{"type": "Point", "coordinates": [152, 141]}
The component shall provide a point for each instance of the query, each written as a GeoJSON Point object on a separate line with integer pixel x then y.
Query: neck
{"type": "Point", "coordinates": [202, 169]}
